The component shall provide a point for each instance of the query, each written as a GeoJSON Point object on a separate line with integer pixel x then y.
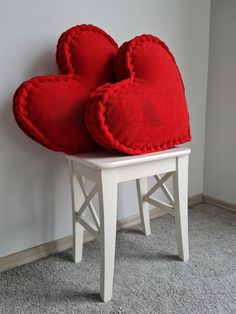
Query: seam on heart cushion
{"type": "Point", "coordinates": [124, 66]}
{"type": "Point", "coordinates": [21, 112]}
{"type": "Point", "coordinates": [95, 117]}
{"type": "Point", "coordinates": [102, 95]}
{"type": "Point", "coordinates": [121, 69]}
{"type": "Point", "coordinates": [63, 53]}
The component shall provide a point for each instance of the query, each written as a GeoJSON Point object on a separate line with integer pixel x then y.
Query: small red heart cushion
{"type": "Point", "coordinates": [146, 110]}
{"type": "Point", "coordinates": [50, 109]}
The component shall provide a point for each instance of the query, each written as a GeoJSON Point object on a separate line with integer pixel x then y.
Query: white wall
{"type": "Point", "coordinates": [34, 187]}
{"type": "Point", "coordinates": [220, 162]}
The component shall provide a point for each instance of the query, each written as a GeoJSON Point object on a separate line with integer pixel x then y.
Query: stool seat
{"type": "Point", "coordinates": [106, 170]}
{"type": "Point", "coordinates": [106, 159]}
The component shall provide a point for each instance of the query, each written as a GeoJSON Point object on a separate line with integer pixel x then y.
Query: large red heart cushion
{"type": "Point", "coordinates": [146, 110]}
{"type": "Point", "coordinates": [50, 109]}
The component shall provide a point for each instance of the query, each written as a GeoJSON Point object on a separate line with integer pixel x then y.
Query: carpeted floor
{"type": "Point", "coordinates": [149, 278]}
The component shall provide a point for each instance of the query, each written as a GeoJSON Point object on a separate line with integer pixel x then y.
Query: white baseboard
{"type": "Point", "coordinates": [217, 202]}
{"type": "Point", "coordinates": [43, 250]}
{"type": "Point", "coordinates": [195, 199]}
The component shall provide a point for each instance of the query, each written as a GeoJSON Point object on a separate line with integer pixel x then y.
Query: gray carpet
{"type": "Point", "coordinates": [149, 278]}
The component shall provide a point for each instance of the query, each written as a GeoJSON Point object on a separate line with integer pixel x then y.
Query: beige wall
{"type": "Point", "coordinates": [220, 160]}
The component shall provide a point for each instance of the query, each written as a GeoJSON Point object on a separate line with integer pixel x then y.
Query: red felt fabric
{"type": "Point", "coordinates": [50, 109]}
{"type": "Point", "coordinates": [146, 110]}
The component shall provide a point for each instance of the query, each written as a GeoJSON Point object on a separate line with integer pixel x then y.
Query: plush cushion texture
{"type": "Point", "coordinates": [50, 109]}
{"type": "Point", "coordinates": [146, 110]}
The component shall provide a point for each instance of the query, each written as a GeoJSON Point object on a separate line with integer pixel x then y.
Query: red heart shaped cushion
{"type": "Point", "coordinates": [146, 110]}
{"type": "Point", "coordinates": [50, 109]}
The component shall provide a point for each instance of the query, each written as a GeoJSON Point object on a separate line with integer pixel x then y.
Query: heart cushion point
{"type": "Point", "coordinates": [146, 110]}
{"type": "Point", "coordinates": [50, 109]}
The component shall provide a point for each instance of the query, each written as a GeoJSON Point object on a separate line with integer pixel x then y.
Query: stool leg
{"type": "Point", "coordinates": [180, 181]}
{"type": "Point", "coordinates": [108, 215]}
{"type": "Point", "coordinates": [142, 189]}
{"type": "Point", "coordinates": [78, 230]}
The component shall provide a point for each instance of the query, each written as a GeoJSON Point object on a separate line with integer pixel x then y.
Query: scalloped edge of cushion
{"type": "Point", "coordinates": [95, 121]}
{"type": "Point", "coordinates": [63, 54]}
{"type": "Point", "coordinates": [21, 113]}
{"type": "Point", "coordinates": [124, 67]}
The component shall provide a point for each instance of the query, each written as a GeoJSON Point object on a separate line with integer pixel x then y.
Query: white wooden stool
{"type": "Point", "coordinates": [106, 170]}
